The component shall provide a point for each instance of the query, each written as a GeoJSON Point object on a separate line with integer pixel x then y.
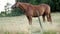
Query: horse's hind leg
{"type": "Point", "coordinates": [43, 16]}
{"type": "Point", "coordinates": [49, 18]}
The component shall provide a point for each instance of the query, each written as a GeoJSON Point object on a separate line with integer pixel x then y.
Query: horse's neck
{"type": "Point", "coordinates": [24, 6]}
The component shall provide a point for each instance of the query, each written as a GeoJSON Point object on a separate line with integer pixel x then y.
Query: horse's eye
{"type": "Point", "coordinates": [13, 7]}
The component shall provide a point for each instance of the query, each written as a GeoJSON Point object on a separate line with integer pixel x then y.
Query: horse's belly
{"type": "Point", "coordinates": [35, 16]}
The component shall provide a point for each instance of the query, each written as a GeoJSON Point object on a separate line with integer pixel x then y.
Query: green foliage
{"type": "Point", "coordinates": [54, 4]}
{"type": "Point", "coordinates": [16, 12]}
{"type": "Point", "coordinates": [2, 14]}
{"type": "Point", "coordinates": [33, 2]}
{"type": "Point", "coordinates": [22, 1]}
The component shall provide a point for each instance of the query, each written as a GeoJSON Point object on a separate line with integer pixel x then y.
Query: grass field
{"type": "Point", "coordinates": [19, 25]}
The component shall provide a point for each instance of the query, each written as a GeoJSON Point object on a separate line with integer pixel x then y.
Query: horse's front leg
{"type": "Point", "coordinates": [30, 24]}
{"type": "Point", "coordinates": [30, 20]}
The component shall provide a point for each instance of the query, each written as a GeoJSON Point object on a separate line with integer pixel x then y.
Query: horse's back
{"type": "Point", "coordinates": [44, 8]}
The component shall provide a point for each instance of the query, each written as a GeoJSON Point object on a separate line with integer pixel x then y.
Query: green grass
{"type": "Point", "coordinates": [49, 32]}
{"type": "Point", "coordinates": [19, 25]}
{"type": "Point", "coordinates": [6, 33]}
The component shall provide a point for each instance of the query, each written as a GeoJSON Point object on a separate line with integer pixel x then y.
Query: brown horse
{"type": "Point", "coordinates": [30, 10]}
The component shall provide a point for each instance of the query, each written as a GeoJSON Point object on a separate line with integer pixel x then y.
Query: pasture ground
{"type": "Point", "coordinates": [19, 25]}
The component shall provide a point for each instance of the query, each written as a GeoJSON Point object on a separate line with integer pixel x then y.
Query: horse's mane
{"type": "Point", "coordinates": [24, 3]}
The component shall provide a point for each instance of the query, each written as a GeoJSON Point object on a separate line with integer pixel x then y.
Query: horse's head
{"type": "Point", "coordinates": [16, 5]}
{"type": "Point", "coordinates": [21, 5]}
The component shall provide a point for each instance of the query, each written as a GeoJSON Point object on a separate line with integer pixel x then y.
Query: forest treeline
{"type": "Point", "coordinates": [54, 4]}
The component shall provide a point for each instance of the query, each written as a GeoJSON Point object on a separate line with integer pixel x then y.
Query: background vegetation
{"type": "Point", "coordinates": [55, 6]}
